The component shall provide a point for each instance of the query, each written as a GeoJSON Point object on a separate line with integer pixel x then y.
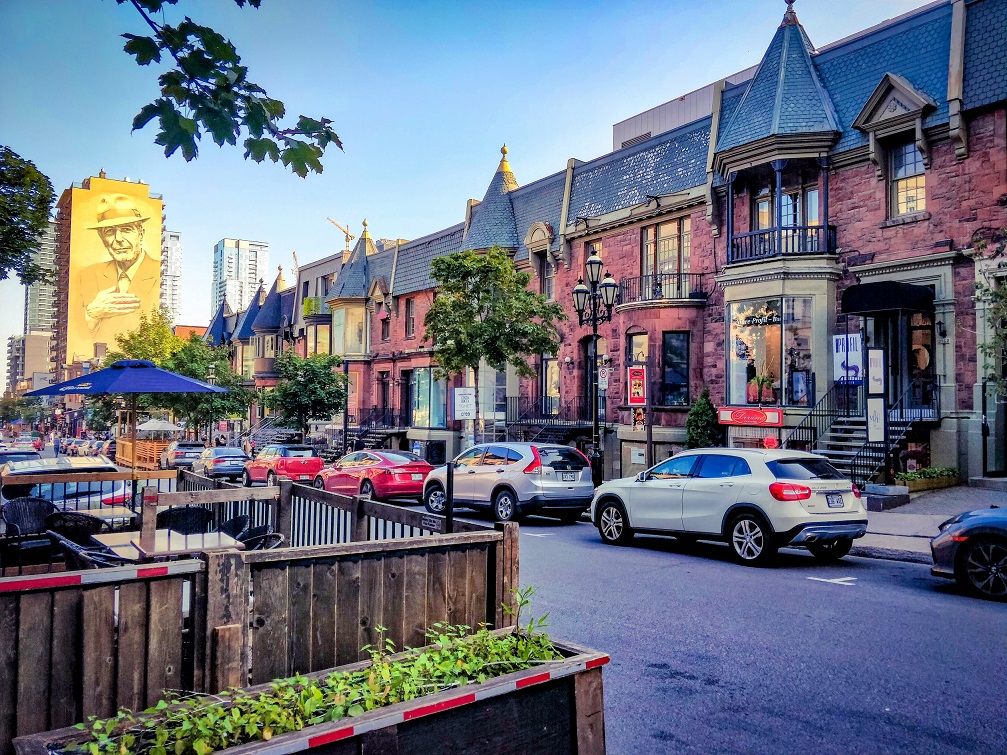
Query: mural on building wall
{"type": "Point", "coordinates": [115, 263]}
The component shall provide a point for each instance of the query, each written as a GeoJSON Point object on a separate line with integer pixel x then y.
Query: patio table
{"type": "Point", "coordinates": [166, 543]}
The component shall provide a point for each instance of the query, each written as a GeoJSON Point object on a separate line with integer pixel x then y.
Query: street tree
{"type": "Point", "coordinates": [308, 388]}
{"type": "Point", "coordinates": [26, 197]}
{"type": "Point", "coordinates": [194, 360]}
{"type": "Point", "coordinates": [483, 311]}
{"type": "Point", "coordinates": [207, 91]}
{"type": "Point", "coordinates": [153, 339]}
{"type": "Point", "coordinates": [990, 253]}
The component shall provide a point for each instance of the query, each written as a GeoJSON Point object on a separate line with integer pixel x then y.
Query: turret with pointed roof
{"type": "Point", "coordinates": [354, 277]}
{"type": "Point", "coordinates": [492, 221]}
{"type": "Point", "coordinates": [217, 332]}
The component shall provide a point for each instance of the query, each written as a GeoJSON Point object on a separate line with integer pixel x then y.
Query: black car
{"type": "Point", "coordinates": [181, 453]}
{"type": "Point", "coordinates": [221, 461]}
{"type": "Point", "coordinates": [972, 550]}
{"type": "Point", "coordinates": [17, 454]}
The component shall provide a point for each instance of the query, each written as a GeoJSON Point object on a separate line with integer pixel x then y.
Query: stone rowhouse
{"type": "Point", "coordinates": [828, 199]}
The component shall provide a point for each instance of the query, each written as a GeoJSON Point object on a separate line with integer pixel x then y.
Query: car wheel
{"type": "Point", "coordinates": [318, 484]}
{"type": "Point", "coordinates": [246, 479]}
{"type": "Point", "coordinates": [571, 517]}
{"type": "Point", "coordinates": [982, 568]}
{"type": "Point", "coordinates": [505, 506]}
{"type": "Point", "coordinates": [830, 551]}
{"type": "Point", "coordinates": [750, 540]}
{"type": "Point", "coordinates": [613, 526]}
{"type": "Point", "coordinates": [367, 490]}
{"type": "Point", "coordinates": [434, 499]}
{"type": "Point", "coordinates": [270, 479]}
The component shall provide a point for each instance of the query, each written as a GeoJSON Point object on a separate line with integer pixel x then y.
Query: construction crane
{"type": "Point", "coordinates": [349, 236]}
{"type": "Point", "coordinates": [297, 268]}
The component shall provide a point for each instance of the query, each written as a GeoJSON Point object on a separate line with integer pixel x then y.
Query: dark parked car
{"type": "Point", "coordinates": [17, 454]}
{"type": "Point", "coordinates": [181, 453]}
{"type": "Point", "coordinates": [972, 550]}
{"type": "Point", "coordinates": [221, 461]}
{"type": "Point", "coordinates": [69, 496]}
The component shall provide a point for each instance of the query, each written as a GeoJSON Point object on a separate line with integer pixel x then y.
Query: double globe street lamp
{"type": "Point", "coordinates": [593, 302]}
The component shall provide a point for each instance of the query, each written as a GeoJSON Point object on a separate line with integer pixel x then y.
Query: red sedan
{"type": "Point", "coordinates": [376, 474]}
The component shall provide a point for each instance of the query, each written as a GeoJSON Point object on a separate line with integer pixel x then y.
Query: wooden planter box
{"type": "Point", "coordinates": [933, 483]}
{"type": "Point", "coordinates": [554, 707]}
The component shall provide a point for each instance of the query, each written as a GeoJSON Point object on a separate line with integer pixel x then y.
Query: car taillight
{"type": "Point", "coordinates": [176, 454]}
{"type": "Point", "coordinates": [221, 461]}
{"type": "Point", "coordinates": [536, 463]}
{"type": "Point", "coordinates": [855, 491]}
{"type": "Point", "coordinates": [110, 499]}
{"type": "Point", "coordinates": [788, 491]}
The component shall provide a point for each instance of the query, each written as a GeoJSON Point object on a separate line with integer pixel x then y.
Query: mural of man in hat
{"type": "Point", "coordinates": [114, 292]}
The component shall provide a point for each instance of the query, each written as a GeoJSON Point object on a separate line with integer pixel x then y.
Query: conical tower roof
{"type": "Point", "coordinates": [354, 277]}
{"type": "Point", "coordinates": [786, 96]}
{"type": "Point", "coordinates": [492, 222]}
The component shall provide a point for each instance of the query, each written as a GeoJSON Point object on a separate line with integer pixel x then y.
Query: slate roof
{"type": "Point", "coordinates": [270, 314]}
{"type": "Point", "coordinates": [541, 201]}
{"type": "Point", "coordinates": [786, 95]}
{"type": "Point", "coordinates": [218, 332]}
{"type": "Point", "coordinates": [667, 163]}
{"type": "Point", "coordinates": [492, 220]}
{"type": "Point", "coordinates": [917, 48]}
{"type": "Point", "coordinates": [412, 273]}
{"type": "Point", "coordinates": [985, 53]}
{"type": "Point", "coordinates": [243, 328]}
{"type": "Point", "coordinates": [287, 305]}
{"type": "Point", "coordinates": [354, 279]}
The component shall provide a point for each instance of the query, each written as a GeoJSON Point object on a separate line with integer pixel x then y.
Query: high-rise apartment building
{"type": "Point", "coordinates": [15, 361]}
{"type": "Point", "coordinates": [26, 355]}
{"type": "Point", "coordinates": [171, 272]}
{"type": "Point", "coordinates": [40, 297]}
{"type": "Point", "coordinates": [237, 267]}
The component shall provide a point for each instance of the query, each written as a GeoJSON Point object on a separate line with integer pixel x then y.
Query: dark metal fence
{"type": "Point", "coordinates": [663, 286]}
{"type": "Point", "coordinates": [842, 400]}
{"type": "Point", "coordinates": [797, 239]}
{"type": "Point", "coordinates": [548, 410]}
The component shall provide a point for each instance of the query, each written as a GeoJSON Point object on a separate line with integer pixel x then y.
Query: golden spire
{"type": "Point", "coordinates": [365, 234]}
{"type": "Point", "coordinates": [504, 165]}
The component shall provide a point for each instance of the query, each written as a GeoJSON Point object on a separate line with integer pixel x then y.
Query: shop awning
{"type": "Point", "coordinates": [885, 296]}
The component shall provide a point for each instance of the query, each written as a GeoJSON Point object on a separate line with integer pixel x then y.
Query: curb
{"type": "Point", "coordinates": [890, 554]}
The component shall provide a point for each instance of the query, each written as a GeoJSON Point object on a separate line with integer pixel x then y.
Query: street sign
{"type": "Point", "coordinates": [637, 382]}
{"type": "Point", "coordinates": [603, 378]}
{"type": "Point", "coordinates": [465, 403]}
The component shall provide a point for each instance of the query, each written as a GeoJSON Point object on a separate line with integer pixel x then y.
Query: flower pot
{"type": "Point", "coordinates": [554, 707]}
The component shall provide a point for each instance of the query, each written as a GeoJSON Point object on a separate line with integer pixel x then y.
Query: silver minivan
{"type": "Point", "coordinates": [515, 479]}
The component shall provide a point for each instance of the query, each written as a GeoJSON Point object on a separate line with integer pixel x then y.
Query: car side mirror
{"type": "Point", "coordinates": [642, 477]}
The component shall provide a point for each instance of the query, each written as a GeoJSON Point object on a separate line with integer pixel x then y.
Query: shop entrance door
{"type": "Point", "coordinates": [908, 340]}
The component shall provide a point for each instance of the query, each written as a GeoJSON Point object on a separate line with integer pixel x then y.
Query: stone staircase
{"type": "Point", "coordinates": [845, 445]}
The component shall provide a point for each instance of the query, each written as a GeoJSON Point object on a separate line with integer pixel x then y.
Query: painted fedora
{"type": "Point", "coordinates": [117, 210]}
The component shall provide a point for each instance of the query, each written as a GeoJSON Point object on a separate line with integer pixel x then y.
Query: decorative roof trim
{"type": "Point", "coordinates": [653, 207]}
{"type": "Point", "coordinates": [774, 147]}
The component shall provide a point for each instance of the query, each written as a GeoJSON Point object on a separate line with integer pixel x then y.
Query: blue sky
{"type": "Point", "coordinates": [422, 94]}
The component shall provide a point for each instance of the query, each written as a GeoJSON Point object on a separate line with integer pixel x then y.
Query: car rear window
{"type": "Point", "coordinates": [190, 444]}
{"type": "Point", "coordinates": [298, 453]}
{"type": "Point", "coordinates": [402, 458]}
{"type": "Point", "coordinates": [562, 458]}
{"type": "Point", "coordinates": [804, 469]}
{"type": "Point", "coordinates": [229, 452]}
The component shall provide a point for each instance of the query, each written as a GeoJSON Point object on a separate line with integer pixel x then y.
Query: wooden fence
{"type": "Point", "coordinates": [75, 644]}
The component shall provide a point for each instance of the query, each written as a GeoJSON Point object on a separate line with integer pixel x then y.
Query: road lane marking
{"type": "Point", "coordinates": [544, 534]}
{"type": "Point", "coordinates": [848, 581]}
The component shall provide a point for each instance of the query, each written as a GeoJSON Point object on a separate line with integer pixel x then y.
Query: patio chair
{"type": "Point", "coordinates": [76, 526]}
{"type": "Point", "coordinates": [234, 526]}
{"type": "Point", "coordinates": [79, 558]}
{"type": "Point", "coordinates": [264, 542]}
{"type": "Point", "coordinates": [188, 520]}
{"type": "Point", "coordinates": [254, 532]}
{"type": "Point", "coordinates": [25, 519]}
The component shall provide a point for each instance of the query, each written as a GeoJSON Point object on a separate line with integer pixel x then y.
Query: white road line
{"type": "Point", "coordinates": [848, 581]}
{"type": "Point", "coordinates": [544, 534]}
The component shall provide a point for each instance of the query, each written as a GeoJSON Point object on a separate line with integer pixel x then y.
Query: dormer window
{"type": "Point", "coordinates": [907, 180]}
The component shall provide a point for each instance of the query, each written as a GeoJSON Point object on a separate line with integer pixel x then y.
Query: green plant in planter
{"type": "Point", "coordinates": [927, 473]}
{"type": "Point", "coordinates": [203, 724]}
{"type": "Point", "coordinates": [702, 429]}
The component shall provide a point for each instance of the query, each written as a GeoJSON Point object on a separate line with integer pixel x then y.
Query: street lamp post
{"type": "Point", "coordinates": [593, 302]}
{"type": "Point", "coordinates": [211, 378]}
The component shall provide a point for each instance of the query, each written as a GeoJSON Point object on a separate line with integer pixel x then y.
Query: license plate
{"type": "Point", "coordinates": [835, 500]}
{"type": "Point", "coordinates": [417, 476]}
{"type": "Point", "coordinates": [569, 477]}
{"type": "Point", "coordinates": [304, 477]}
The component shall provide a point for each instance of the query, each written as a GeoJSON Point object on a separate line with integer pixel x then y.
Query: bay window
{"type": "Point", "coordinates": [769, 352]}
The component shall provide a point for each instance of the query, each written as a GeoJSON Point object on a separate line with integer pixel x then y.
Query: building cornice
{"type": "Point", "coordinates": [887, 267]}
{"type": "Point", "coordinates": [775, 147]}
{"type": "Point", "coordinates": [655, 206]}
{"type": "Point", "coordinates": [818, 267]}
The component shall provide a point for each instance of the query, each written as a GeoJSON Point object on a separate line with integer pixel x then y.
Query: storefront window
{"type": "Point", "coordinates": [769, 356]}
{"type": "Point", "coordinates": [429, 399]}
{"type": "Point", "coordinates": [675, 366]}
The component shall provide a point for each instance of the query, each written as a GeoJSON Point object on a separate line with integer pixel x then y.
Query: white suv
{"type": "Point", "coordinates": [755, 500]}
{"type": "Point", "coordinates": [514, 479]}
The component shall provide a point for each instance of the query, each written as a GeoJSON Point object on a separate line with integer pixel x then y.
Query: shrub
{"type": "Point", "coordinates": [927, 473]}
{"type": "Point", "coordinates": [701, 427]}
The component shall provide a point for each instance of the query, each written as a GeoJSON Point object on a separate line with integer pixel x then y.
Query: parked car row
{"type": "Point", "coordinates": [88, 447]}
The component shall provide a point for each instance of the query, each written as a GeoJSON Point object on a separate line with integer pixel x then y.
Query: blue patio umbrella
{"type": "Point", "coordinates": [130, 377]}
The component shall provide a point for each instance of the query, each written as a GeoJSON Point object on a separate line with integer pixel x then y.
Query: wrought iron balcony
{"type": "Point", "coordinates": [316, 306]}
{"type": "Point", "coordinates": [662, 287]}
{"type": "Point", "coordinates": [773, 242]}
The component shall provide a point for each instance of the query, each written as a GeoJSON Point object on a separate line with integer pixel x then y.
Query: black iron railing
{"type": "Point", "coordinates": [548, 410]}
{"type": "Point", "coordinates": [842, 400]}
{"type": "Point", "coordinates": [771, 242]}
{"type": "Point", "coordinates": [663, 286]}
{"type": "Point", "coordinates": [379, 419]}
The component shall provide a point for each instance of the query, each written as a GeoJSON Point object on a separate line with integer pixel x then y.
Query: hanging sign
{"type": "Point", "coordinates": [750, 416]}
{"type": "Point", "coordinates": [876, 420]}
{"type": "Point", "coordinates": [848, 358]}
{"type": "Point", "coordinates": [465, 403]}
{"type": "Point", "coordinates": [637, 383]}
{"type": "Point", "coordinates": [875, 372]}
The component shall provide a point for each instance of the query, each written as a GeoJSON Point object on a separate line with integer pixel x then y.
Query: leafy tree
{"type": "Point", "coordinates": [701, 427]}
{"type": "Point", "coordinates": [26, 197]}
{"type": "Point", "coordinates": [153, 339]}
{"type": "Point", "coordinates": [102, 412]}
{"type": "Point", "coordinates": [308, 389]}
{"type": "Point", "coordinates": [991, 294]}
{"type": "Point", "coordinates": [208, 92]}
{"type": "Point", "coordinates": [198, 409]}
{"type": "Point", "coordinates": [19, 408]}
{"type": "Point", "coordinates": [484, 311]}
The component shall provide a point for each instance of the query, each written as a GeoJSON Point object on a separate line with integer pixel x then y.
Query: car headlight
{"type": "Point", "coordinates": [953, 520]}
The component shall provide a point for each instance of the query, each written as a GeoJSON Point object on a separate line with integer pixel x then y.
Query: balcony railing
{"type": "Point", "coordinates": [662, 286]}
{"type": "Point", "coordinates": [315, 306]}
{"type": "Point", "coordinates": [549, 410]}
{"type": "Point", "coordinates": [772, 242]}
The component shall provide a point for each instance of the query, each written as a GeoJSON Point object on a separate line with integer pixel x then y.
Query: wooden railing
{"type": "Point", "coordinates": [148, 452]}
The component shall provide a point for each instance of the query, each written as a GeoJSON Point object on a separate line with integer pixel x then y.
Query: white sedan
{"type": "Point", "coordinates": [755, 500]}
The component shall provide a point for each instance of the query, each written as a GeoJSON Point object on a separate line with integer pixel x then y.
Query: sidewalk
{"type": "Point", "coordinates": [904, 534]}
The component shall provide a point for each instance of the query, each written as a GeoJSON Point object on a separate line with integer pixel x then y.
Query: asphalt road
{"type": "Point", "coordinates": [708, 656]}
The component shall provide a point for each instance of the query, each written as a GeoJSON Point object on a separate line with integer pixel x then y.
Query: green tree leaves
{"type": "Point", "coordinates": [208, 93]}
{"type": "Point", "coordinates": [26, 196]}
{"type": "Point", "coordinates": [308, 388]}
{"type": "Point", "coordinates": [702, 430]}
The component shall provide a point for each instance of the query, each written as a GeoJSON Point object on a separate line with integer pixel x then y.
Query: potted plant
{"type": "Point", "coordinates": [760, 390]}
{"type": "Point", "coordinates": [509, 690]}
